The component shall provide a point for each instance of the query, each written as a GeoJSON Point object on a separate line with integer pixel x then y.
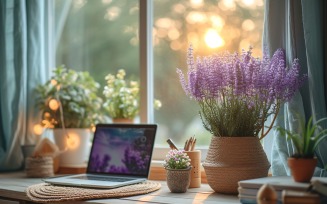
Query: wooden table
{"type": "Point", "coordinates": [13, 185]}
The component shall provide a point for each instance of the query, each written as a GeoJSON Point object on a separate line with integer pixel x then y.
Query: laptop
{"type": "Point", "coordinates": [120, 155]}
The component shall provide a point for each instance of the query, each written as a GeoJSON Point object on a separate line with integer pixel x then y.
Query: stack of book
{"type": "Point", "coordinates": [288, 191]}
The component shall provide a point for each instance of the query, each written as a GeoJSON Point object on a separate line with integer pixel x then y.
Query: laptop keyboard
{"type": "Point", "coordinates": [98, 178]}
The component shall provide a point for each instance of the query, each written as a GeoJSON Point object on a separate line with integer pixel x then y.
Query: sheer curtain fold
{"type": "Point", "coordinates": [314, 23]}
{"type": "Point", "coordinates": [23, 66]}
{"type": "Point", "coordinates": [297, 27]}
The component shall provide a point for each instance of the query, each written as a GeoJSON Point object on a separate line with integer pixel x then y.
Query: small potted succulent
{"type": "Point", "coordinates": [178, 166]}
{"type": "Point", "coordinates": [303, 162]}
{"type": "Point", "coordinates": [70, 106]}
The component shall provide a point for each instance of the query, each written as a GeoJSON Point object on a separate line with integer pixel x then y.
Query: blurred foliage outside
{"type": "Point", "coordinates": [101, 36]}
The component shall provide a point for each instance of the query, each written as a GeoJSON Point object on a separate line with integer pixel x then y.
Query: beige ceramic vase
{"type": "Point", "coordinates": [232, 159]}
{"type": "Point", "coordinates": [178, 180]}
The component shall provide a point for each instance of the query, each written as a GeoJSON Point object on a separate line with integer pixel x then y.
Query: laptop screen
{"type": "Point", "coordinates": [122, 149]}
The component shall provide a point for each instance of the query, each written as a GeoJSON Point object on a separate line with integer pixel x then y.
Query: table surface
{"type": "Point", "coordinates": [13, 185]}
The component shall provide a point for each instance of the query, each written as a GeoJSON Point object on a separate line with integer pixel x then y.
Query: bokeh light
{"type": "Point", "coordinates": [248, 25]}
{"type": "Point", "coordinates": [53, 82]}
{"type": "Point", "coordinates": [173, 34]}
{"type": "Point", "coordinates": [213, 39]}
{"type": "Point", "coordinates": [176, 45]}
{"type": "Point", "coordinates": [73, 141]}
{"type": "Point", "coordinates": [217, 22]}
{"type": "Point", "coordinates": [196, 17]}
{"type": "Point", "coordinates": [106, 1]}
{"type": "Point", "coordinates": [112, 13]}
{"type": "Point", "coordinates": [179, 8]}
{"type": "Point", "coordinates": [163, 23]}
{"type": "Point", "coordinates": [53, 104]}
{"type": "Point", "coordinates": [226, 5]}
{"type": "Point", "coordinates": [196, 3]}
{"type": "Point", "coordinates": [38, 129]}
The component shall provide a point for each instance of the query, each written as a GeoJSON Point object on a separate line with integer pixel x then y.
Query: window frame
{"type": "Point", "coordinates": [146, 60]}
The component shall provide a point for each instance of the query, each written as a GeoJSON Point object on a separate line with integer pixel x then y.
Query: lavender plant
{"type": "Point", "coordinates": [237, 92]}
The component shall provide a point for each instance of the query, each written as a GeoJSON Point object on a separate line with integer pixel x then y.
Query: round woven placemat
{"type": "Point", "coordinates": [45, 193]}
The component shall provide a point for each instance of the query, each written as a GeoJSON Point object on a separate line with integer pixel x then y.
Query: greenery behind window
{"type": "Point", "coordinates": [101, 36]}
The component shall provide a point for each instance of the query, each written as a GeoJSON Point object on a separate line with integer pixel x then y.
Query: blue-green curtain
{"type": "Point", "coordinates": [23, 64]}
{"type": "Point", "coordinates": [299, 28]}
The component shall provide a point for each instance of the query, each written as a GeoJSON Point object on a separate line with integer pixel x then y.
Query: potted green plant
{"type": "Point", "coordinates": [305, 140]}
{"type": "Point", "coordinates": [70, 106]}
{"type": "Point", "coordinates": [236, 94]}
{"type": "Point", "coordinates": [178, 166]}
{"type": "Point", "coordinates": [122, 98]}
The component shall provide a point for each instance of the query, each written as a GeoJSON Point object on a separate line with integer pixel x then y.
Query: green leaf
{"type": "Point", "coordinates": [312, 135]}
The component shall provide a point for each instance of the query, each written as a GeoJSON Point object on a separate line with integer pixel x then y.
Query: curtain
{"type": "Point", "coordinates": [298, 27]}
{"type": "Point", "coordinates": [23, 65]}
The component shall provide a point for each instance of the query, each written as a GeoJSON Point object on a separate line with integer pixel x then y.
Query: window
{"type": "Point", "coordinates": [210, 26]}
{"type": "Point", "coordinates": [102, 36]}
{"type": "Point", "coordinates": [98, 36]}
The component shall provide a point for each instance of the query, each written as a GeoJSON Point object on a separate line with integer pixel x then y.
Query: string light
{"type": "Point", "coordinates": [73, 141]}
{"type": "Point", "coordinates": [53, 82]}
{"type": "Point", "coordinates": [38, 129]}
{"type": "Point", "coordinates": [53, 104]}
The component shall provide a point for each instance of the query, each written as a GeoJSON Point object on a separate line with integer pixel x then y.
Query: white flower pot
{"type": "Point", "coordinates": [75, 144]}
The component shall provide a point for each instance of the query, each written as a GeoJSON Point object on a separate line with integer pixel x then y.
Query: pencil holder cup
{"type": "Point", "coordinates": [195, 157]}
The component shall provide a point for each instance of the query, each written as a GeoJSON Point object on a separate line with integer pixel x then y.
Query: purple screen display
{"type": "Point", "coordinates": [122, 151]}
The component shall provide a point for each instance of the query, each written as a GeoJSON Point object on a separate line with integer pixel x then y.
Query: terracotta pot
{"type": "Point", "coordinates": [123, 120]}
{"type": "Point", "coordinates": [302, 169]}
{"type": "Point", "coordinates": [178, 180]}
{"type": "Point", "coordinates": [232, 159]}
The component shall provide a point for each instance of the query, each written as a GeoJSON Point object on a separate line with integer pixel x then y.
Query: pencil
{"type": "Point", "coordinates": [185, 146]}
{"type": "Point", "coordinates": [171, 144]}
{"type": "Point", "coordinates": [193, 145]}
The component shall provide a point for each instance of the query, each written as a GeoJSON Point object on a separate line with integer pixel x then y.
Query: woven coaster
{"type": "Point", "coordinates": [45, 193]}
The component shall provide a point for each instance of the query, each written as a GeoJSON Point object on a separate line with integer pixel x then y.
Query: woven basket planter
{"type": "Point", "coordinates": [178, 180]}
{"type": "Point", "coordinates": [232, 159]}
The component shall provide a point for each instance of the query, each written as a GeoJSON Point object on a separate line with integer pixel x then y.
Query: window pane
{"type": "Point", "coordinates": [210, 26]}
{"type": "Point", "coordinates": [99, 36]}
